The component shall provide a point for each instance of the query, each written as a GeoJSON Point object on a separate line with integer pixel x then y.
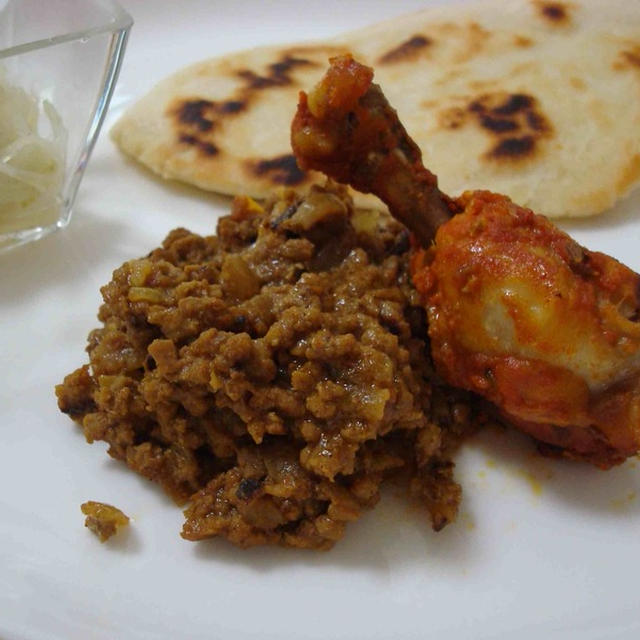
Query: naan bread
{"type": "Point", "coordinates": [535, 99]}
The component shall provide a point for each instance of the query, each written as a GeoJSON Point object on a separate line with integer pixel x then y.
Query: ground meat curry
{"type": "Point", "coordinates": [274, 374]}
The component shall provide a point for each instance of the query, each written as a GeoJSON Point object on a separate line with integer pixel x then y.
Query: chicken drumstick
{"type": "Point", "coordinates": [518, 312]}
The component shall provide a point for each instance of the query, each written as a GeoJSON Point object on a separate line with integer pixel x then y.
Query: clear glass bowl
{"type": "Point", "coordinates": [59, 61]}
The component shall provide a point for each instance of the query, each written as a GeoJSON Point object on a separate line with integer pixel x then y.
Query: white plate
{"type": "Point", "coordinates": [541, 549]}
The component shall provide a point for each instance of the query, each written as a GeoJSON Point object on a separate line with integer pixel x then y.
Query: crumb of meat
{"type": "Point", "coordinates": [274, 374]}
{"type": "Point", "coordinates": [103, 519]}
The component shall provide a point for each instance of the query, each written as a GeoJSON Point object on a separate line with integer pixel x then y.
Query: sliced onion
{"type": "Point", "coordinates": [32, 166]}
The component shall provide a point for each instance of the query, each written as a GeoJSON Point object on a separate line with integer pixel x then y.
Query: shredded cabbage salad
{"type": "Point", "coordinates": [31, 166]}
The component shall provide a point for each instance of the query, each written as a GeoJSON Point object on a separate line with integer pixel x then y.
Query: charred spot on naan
{"type": "Point", "coordinates": [202, 114]}
{"type": "Point", "coordinates": [554, 13]}
{"type": "Point", "coordinates": [633, 57]}
{"type": "Point", "coordinates": [206, 148]}
{"type": "Point", "coordinates": [192, 112]}
{"type": "Point", "coordinates": [523, 42]}
{"type": "Point", "coordinates": [409, 50]}
{"type": "Point", "coordinates": [628, 58]}
{"type": "Point", "coordinates": [196, 119]}
{"type": "Point", "coordinates": [514, 122]}
{"type": "Point", "coordinates": [463, 41]}
{"type": "Point", "coordinates": [513, 148]}
{"type": "Point", "coordinates": [278, 74]}
{"type": "Point", "coordinates": [281, 73]}
{"type": "Point", "coordinates": [451, 118]}
{"type": "Point", "coordinates": [281, 170]}
{"type": "Point", "coordinates": [577, 83]}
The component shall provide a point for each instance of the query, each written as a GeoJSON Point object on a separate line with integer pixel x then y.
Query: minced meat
{"type": "Point", "coordinates": [272, 375]}
{"type": "Point", "coordinates": [102, 519]}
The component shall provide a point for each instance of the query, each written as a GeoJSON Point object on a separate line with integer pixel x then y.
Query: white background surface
{"type": "Point", "coordinates": [541, 549]}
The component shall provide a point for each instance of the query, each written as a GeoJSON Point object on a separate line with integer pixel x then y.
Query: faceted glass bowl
{"type": "Point", "coordinates": [59, 62]}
